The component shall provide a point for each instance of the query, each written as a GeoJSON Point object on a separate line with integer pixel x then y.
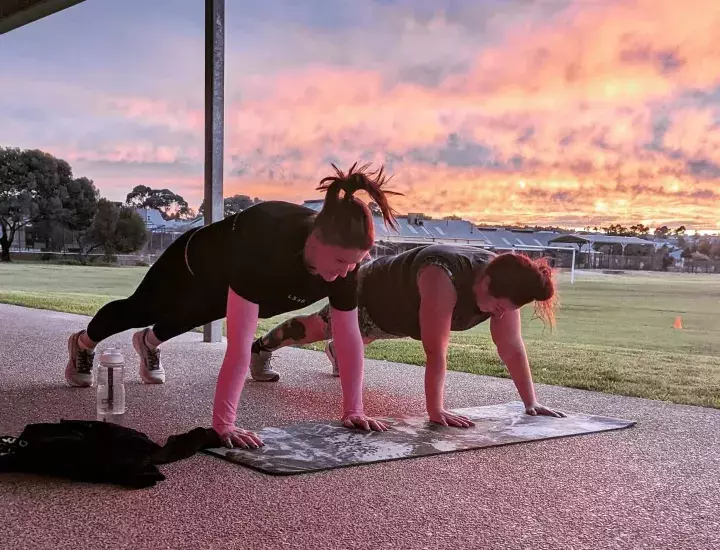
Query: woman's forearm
{"type": "Point", "coordinates": [230, 383]}
{"type": "Point", "coordinates": [516, 361]}
{"type": "Point", "coordinates": [350, 358]}
{"type": "Point", "coordinates": [242, 317]}
{"type": "Point", "coordinates": [435, 368]}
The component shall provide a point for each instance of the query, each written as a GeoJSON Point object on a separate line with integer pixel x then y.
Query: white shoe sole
{"type": "Point", "coordinates": [266, 376]}
{"type": "Point", "coordinates": [147, 376]}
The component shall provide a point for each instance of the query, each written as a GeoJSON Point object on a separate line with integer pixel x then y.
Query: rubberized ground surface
{"type": "Point", "coordinates": [652, 486]}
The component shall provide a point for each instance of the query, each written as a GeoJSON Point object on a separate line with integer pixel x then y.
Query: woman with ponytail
{"type": "Point", "coordinates": [272, 258]}
{"type": "Point", "coordinates": [427, 292]}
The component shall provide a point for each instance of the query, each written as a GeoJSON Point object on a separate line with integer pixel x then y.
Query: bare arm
{"type": "Point", "coordinates": [506, 333]}
{"type": "Point", "coordinates": [350, 358]}
{"type": "Point", "coordinates": [242, 318]}
{"type": "Point", "coordinates": [437, 301]}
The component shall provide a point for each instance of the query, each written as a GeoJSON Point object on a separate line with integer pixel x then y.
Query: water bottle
{"type": "Point", "coordinates": [111, 386]}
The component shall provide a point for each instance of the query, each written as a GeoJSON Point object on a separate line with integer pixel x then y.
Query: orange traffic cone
{"type": "Point", "coordinates": [678, 322]}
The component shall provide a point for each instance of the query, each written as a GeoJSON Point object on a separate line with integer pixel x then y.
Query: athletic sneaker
{"type": "Point", "coordinates": [151, 369]}
{"type": "Point", "coordinates": [330, 352]}
{"type": "Point", "coordinates": [79, 370]}
{"type": "Point", "coordinates": [260, 367]}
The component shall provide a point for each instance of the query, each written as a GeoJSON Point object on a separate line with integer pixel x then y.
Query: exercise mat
{"type": "Point", "coordinates": [315, 446]}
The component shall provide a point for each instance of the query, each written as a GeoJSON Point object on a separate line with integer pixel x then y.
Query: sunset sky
{"type": "Point", "coordinates": [574, 113]}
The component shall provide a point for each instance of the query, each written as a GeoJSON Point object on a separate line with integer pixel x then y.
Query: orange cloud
{"type": "Point", "coordinates": [571, 108]}
{"type": "Point", "coordinates": [626, 52]}
{"type": "Point", "coordinates": [607, 111]}
{"type": "Point", "coordinates": [696, 132]}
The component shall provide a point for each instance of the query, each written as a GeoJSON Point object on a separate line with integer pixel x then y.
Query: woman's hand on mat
{"type": "Point", "coordinates": [447, 418]}
{"type": "Point", "coordinates": [232, 436]}
{"type": "Point", "coordinates": [536, 409]}
{"type": "Point", "coordinates": [355, 420]}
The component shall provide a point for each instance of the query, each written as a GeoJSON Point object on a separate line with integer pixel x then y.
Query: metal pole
{"type": "Point", "coordinates": [572, 268]}
{"type": "Point", "coordinates": [214, 126]}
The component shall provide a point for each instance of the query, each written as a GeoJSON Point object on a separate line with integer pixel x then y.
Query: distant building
{"type": "Point", "coordinates": [315, 204]}
{"type": "Point", "coordinates": [155, 222]}
{"type": "Point", "coordinates": [162, 232]}
{"type": "Point", "coordinates": [416, 229]}
{"type": "Point", "coordinates": [591, 250]}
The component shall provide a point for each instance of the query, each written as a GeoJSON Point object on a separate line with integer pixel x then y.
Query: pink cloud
{"type": "Point", "coordinates": [554, 119]}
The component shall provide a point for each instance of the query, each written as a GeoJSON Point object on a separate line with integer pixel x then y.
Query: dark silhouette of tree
{"type": "Point", "coordinates": [170, 205]}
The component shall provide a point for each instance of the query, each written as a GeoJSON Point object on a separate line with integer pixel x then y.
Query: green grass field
{"type": "Point", "coordinates": [615, 332]}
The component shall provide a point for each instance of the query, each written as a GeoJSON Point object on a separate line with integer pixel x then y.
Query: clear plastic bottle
{"type": "Point", "coordinates": [111, 386]}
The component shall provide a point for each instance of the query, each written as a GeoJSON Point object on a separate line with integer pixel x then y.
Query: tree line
{"type": "Point", "coordinates": [40, 195]}
{"type": "Point", "coordinates": [705, 246]}
{"type": "Point", "coordinates": [638, 230]}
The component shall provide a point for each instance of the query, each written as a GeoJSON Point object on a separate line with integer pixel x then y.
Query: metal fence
{"type": "Point", "coordinates": [67, 249]}
{"type": "Point", "coordinates": [65, 242]}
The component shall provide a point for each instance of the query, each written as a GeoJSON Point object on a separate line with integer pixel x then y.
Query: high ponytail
{"type": "Point", "coordinates": [347, 221]}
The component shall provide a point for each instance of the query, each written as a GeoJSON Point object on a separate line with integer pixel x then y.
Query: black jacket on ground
{"type": "Point", "coordinates": [100, 452]}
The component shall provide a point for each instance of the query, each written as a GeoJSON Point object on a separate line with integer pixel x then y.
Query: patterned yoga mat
{"type": "Point", "coordinates": [316, 446]}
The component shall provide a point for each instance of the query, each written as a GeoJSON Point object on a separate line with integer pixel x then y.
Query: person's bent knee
{"type": "Point", "coordinates": [316, 328]}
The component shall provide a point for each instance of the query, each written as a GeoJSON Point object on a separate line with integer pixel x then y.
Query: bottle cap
{"type": "Point", "coordinates": [112, 356]}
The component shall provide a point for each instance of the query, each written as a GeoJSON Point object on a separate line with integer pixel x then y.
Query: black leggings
{"type": "Point", "coordinates": [169, 298]}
